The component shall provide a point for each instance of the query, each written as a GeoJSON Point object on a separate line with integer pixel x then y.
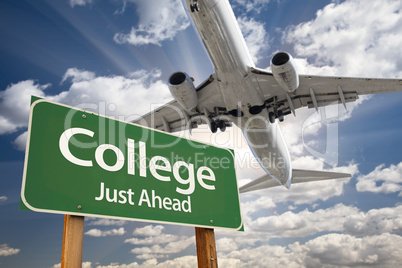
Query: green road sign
{"type": "Point", "coordinates": [81, 163]}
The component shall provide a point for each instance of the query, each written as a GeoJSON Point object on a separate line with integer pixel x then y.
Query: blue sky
{"type": "Point", "coordinates": [119, 54]}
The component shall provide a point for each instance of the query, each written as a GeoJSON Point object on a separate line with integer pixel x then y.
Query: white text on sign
{"type": "Point", "coordinates": [203, 174]}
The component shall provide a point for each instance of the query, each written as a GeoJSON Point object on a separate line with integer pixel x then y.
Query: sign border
{"type": "Point", "coordinates": [36, 100]}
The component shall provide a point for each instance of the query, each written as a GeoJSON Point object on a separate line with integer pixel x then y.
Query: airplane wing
{"type": "Point", "coordinates": [317, 91]}
{"type": "Point", "coordinates": [313, 92]}
{"type": "Point", "coordinates": [171, 117]}
{"type": "Point", "coordinates": [298, 176]}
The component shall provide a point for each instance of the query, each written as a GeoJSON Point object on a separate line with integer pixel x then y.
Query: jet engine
{"type": "Point", "coordinates": [284, 71]}
{"type": "Point", "coordinates": [182, 88]}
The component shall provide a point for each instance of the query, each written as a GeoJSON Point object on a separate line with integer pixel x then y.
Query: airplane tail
{"type": "Point", "coordinates": [298, 176]}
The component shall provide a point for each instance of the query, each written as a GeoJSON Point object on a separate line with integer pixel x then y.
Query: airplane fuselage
{"type": "Point", "coordinates": [221, 35]}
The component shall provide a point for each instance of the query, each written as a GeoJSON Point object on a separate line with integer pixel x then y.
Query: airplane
{"type": "Point", "coordinates": [254, 99]}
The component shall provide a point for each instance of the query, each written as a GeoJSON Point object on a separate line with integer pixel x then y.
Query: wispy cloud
{"type": "Point", "coordinates": [156, 24]}
{"type": "Point", "coordinates": [252, 5]}
{"type": "Point", "coordinates": [104, 222]}
{"type": "Point", "coordinates": [383, 179]}
{"type": "Point", "coordinates": [151, 240]}
{"type": "Point", "coordinates": [74, 3]}
{"type": "Point", "coordinates": [100, 233]}
{"type": "Point", "coordinates": [149, 230]}
{"type": "Point", "coordinates": [5, 250]}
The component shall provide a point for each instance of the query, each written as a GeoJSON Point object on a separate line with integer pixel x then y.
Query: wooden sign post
{"type": "Point", "coordinates": [73, 235]}
{"type": "Point", "coordinates": [206, 249]}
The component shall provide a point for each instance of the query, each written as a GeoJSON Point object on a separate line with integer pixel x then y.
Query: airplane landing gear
{"type": "Point", "coordinates": [272, 116]}
{"type": "Point", "coordinates": [280, 116]}
{"type": "Point", "coordinates": [218, 124]}
{"type": "Point", "coordinates": [194, 6]}
{"type": "Point", "coordinates": [214, 127]}
{"type": "Point", "coordinates": [222, 125]}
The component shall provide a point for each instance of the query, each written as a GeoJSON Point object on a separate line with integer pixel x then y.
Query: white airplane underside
{"type": "Point", "coordinates": [252, 98]}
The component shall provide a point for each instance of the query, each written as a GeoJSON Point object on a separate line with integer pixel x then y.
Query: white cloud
{"type": "Point", "coordinates": [375, 221]}
{"type": "Point", "coordinates": [74, 3]}
{"type": "Point", "coordinates": [120, 96]}
{"type": "Point", "coordinates": [260, 256]}
{"type": "Point", "coordinates": [251, 206]}
{"type": "Point", "coordinates": [354, 38]}
{"type": "Point", "coordinates": [182, 262]}
{"type": "Point", "coordinates": [169, 248]}
{"type": "Point", "coordinates": [252, 5]}
{"type": "Point", "coordinates": [330, 250]}
{"type": "Point", "coordinates": [105, 222]}
{"type": "Point", "coordinates": [162, 244]}
{"type": "Point", "coordinates": [21, 141]}
{"type": "Point", "coordinates": [151, 256]}
{"type": "Point", "coordinates": [5, 250]}
{"type": "Point", "coordinates": [304, 223]}
{"type": "Point", "coordinates": [381, 180]}
{"type": "Point", "coordinates": [123, 97]}
{"type": "Point", "coordinates": [226, 244]}
{"type": "Point", "coordinates": [155, 24]}
{"type": "Point", "coordinates": [3, 198]}
{"type": "Point", "coordinates": [77, 75]}
{"type": "Point", "coordinates": [14, 104]}
{"type": "Point", "coordinates": [152, 240]}
{"type": "Point", "coordinates": [347, 39]}
{"type": "Point", "coordinates": [345, 250]}
{"type": "Point", "coordinates": [149, 230]}
{"type": "Point", "coordinates": [304, 67]}
{"type": "Point", "coordinates": [85, 264]}
{"type": "Point", "coordinates": [255, 35]}
{"type": "Point", "coordinates": [340, 219]}
{"type": "Point", "coordinates": [100, 233]}
{"type": "Point", "coordinates": [367, 241]}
